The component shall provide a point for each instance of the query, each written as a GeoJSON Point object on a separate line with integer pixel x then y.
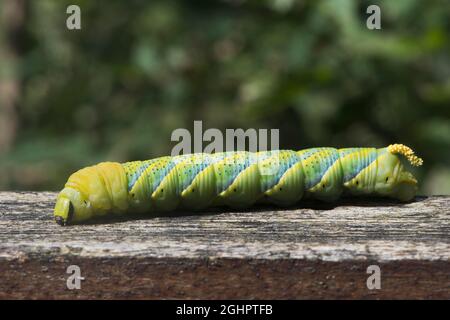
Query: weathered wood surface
{"type": "Point", "coordinates": [311, 251]}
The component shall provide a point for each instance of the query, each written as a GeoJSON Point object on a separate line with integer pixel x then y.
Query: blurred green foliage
{"type": "Point", "coordinates": [137, 70]}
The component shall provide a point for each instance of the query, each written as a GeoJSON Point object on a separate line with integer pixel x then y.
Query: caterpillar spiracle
{"type": "Point", "coordinates": [235, 179]}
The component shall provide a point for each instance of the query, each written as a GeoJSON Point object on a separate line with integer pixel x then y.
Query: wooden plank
{"type": "Point", "coordinates": [310, 251]}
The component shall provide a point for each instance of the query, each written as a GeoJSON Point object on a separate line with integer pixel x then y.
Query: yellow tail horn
{"type": "Point", "coordinates": [407, 152]}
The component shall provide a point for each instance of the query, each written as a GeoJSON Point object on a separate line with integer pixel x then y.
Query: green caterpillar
{"type": "Point", "coordinates": [235, 179]}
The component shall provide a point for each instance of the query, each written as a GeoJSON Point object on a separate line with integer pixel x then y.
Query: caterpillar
{"type": "Point", "coordinates": [236, 179]}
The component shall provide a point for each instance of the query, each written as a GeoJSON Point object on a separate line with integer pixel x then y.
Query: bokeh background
{"type": "Point", "coordinates": [137, 70]}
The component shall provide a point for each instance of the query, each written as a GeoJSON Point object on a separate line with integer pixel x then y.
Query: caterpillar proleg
{"type": "Point", "coordinates": [235, 179]}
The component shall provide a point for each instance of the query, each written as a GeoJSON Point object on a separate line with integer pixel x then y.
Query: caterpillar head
{"type": "Point", "coordinates": [392, 179]}
{"type": "Point", "coordinates": [92, 191]}
{"type": "Point", "coordinates": [72, 206]}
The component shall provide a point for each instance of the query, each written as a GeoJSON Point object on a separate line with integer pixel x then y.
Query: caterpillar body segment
{"type": "Point", "coordinates": [234, 179]}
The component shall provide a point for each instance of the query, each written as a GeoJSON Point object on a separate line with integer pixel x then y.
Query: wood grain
{"type": "Point", "coordinates": [310, 251]}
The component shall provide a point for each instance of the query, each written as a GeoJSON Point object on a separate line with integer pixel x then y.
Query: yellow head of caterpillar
{"type": "Point", "coordinates": [92, 192]}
